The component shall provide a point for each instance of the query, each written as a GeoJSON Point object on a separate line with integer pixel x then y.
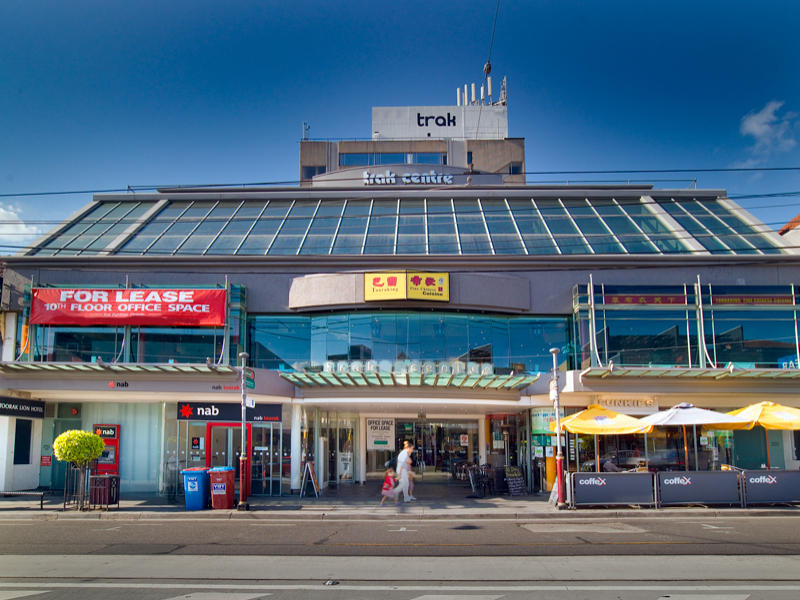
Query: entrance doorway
{"type": "Point", "coordinates": [225, 447]}
{"type": "Point", "coordinates": [443, 445]}
{"type": "Point", "coordinates": [268, 465]}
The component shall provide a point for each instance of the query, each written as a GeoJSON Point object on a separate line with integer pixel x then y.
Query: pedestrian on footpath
{"type": "Point", "coordinates": [404, 471]}
{"type": "Point", "coordinates": [388, 490]}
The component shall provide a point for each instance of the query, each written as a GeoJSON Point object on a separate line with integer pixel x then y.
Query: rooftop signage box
{"type": "Point", "coordinates": [487, 122]}
{"type": "Point", "coordinates": [160, 307]}
{"type": "Point", "coordinates": [410, 285]}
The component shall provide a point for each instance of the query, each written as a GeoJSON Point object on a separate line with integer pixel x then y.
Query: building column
{"type": "Point", "coordinates": [482, 441]}
{"type": "Point", "coordinates": [9, 336]}
{"type": "Point", "coordinates": [362, 450]}
{"type": "Point", "coordinates": [297, 448]}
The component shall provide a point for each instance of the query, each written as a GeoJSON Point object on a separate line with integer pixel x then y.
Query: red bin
{"type": "Point", "coordinates": [222, 484]}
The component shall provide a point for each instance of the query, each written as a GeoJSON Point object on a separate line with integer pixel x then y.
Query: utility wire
{"type": "Point", "coordinates": [133, 189]}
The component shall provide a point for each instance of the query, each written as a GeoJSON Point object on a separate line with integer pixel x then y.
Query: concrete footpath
{"type": "Point", "coordinates": [362, 503]}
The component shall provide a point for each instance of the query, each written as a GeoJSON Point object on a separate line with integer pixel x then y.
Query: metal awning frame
{"type": "Point", "coordinates": [729, 372]}
{"type": "Point", "coordinates": [391, 379]}
{"type": "Point", "coordinates": [77, 368]}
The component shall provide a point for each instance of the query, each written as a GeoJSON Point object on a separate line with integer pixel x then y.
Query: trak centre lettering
{"type": "Point", "coordinates": [389, 177]}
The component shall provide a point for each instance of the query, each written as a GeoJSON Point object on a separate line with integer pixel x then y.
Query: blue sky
{"type": "Point", "coordinates": [105, 94]}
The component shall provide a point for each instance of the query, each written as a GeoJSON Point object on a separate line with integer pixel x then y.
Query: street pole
{"type": "Point", "coordinates": [559, 454]}
{"type": "Point", "coordinates": [243, 356]}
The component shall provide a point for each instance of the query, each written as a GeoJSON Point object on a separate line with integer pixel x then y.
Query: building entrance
{"type": "Point", "coordinates": [225, 447]}
{"type": "Point", "coordinates": [443, 445]}
{"type": "Point", "coordinates": [267, 463]}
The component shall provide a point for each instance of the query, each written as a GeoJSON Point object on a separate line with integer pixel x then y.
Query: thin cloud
{"type": "Point", "coordinates": [771, 131]}
{"type": "Point", "coordinates": [14, 231]}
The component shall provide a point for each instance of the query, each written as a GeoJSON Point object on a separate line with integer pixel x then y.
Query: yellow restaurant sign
{"type": "Point", "coordinates": [411, 285]}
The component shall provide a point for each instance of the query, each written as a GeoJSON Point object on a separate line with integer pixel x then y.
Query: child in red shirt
{"type": "Point", "coordinates": [387, 490]}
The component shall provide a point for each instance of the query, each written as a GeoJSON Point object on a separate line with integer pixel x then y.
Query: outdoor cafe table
{"type": "Point", "coordinates": [698, 487]}
{"type": "Point", "coordinates": [612, 488]}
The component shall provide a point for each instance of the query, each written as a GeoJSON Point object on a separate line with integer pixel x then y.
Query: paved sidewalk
{"type": "Point", "coordinates": [435, 501]}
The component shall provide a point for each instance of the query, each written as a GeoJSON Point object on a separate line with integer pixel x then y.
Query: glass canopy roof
{"type": "Point", "coordinates": [530, 223]}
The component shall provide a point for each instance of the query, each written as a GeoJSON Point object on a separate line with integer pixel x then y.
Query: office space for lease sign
{"type": "Point", "coordinates": [173, 307]}
{"type": "Point", "coordinates": [380, 434]}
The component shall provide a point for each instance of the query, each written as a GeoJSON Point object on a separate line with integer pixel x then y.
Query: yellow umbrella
{"type": "Point", "coordinates": [770, 416]}
{"type": "Point", "coordinates": [596, 420]}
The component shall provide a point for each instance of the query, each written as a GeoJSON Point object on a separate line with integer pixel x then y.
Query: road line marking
{"type": "Point", "coordinates": [216, 596]}
{"type": "Point", "coordinates": [458, 597]}
{"type": "Point", "coordinates": [11, 595]}
{"type": "Point", "coordinates": [705, 597]}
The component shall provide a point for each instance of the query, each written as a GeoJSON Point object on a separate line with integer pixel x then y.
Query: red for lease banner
{"type": "Point", "coordinates": [173, 307]}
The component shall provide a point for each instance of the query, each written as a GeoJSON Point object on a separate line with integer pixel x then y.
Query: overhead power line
{"type": "Point", "coordinates": [244, 185]}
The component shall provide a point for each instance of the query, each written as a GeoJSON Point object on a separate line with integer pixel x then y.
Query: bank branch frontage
{"type": "Point", "coordinates": [375, 312]}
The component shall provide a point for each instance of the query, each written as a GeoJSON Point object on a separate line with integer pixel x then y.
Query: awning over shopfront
{"type": "Point", "coordinates": [392, 379]}
{"type": "Point", "coordinates": [731, 371]}
{"type": "Point", "coordinates": [100, 367]}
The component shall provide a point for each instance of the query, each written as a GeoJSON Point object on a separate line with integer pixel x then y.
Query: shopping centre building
{"type": "Point", "coordinates": [412, 287]}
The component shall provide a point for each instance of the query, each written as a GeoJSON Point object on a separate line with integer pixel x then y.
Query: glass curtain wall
{"type": "Point", "coordinates": [748, 326]}
{"type": "Point", "coordinates": [287, 342]}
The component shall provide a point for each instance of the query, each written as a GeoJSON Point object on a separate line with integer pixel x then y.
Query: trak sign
{"type": "Point", "coordinates": [172, 307]}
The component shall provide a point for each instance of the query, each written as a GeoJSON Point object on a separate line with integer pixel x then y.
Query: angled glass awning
{"type": "Point", "coordinates": [127, 368]}
{"type": "Point", "coordinates": [731, 371]}
{"type": "Point", "coordinates": [391, 379]}
{"type": "Point", "coordinates": [460, 222]}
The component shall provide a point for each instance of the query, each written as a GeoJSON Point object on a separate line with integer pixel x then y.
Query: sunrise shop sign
{"type": "Point", "coordinates": [171, 307]}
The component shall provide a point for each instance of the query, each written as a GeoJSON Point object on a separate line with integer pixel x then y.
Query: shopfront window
{"type": "Point", "coordinates": [78, 344]}
{"type": "Point", "coordinates": [172, 344]}
{"type": "Point", "coordinates": [647, 337]}
{"type": "Point", "coordinates": [664, 449]}
{"type": "Point", "coordinates": [508, 343]}
{"type": "Point", "coordinates": [747, 326]}
{"type": "Point", "coordinates": [751, 339]}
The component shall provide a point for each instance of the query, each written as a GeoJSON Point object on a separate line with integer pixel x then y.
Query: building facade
{"type": "Point", "coordinates": [392, 297]}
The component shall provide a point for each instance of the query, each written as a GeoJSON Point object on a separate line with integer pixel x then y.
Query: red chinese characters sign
{"type": "Point", "coordinates": [651, 299]}
{"type": "Point", "coordinates": [407, 285]}
{"type": "Point", "coordinates": [173, 307]}
{"type": "Point", "coordinates": [429, 286]}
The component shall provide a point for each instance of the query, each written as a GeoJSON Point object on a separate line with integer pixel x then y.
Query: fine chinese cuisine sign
{"type": "Point", "coordinates": [173, 307]}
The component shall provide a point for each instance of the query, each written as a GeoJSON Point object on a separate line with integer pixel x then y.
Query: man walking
{"type": "Point", "coordinates": [404, 471]}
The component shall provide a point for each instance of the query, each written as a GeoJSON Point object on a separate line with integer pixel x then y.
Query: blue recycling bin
{"type": "Point", "coordinates": [195, 488]}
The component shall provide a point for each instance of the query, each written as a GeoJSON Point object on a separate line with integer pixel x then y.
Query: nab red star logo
{"type": "Point", "coordinates": [186, 411]}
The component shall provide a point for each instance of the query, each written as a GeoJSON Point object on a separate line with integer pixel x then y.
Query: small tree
{"type": "Point", "coordinates": [79, 448]}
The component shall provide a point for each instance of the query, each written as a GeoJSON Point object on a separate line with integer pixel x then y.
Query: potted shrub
{"type": "Point", "coordinates": [79, 448]}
